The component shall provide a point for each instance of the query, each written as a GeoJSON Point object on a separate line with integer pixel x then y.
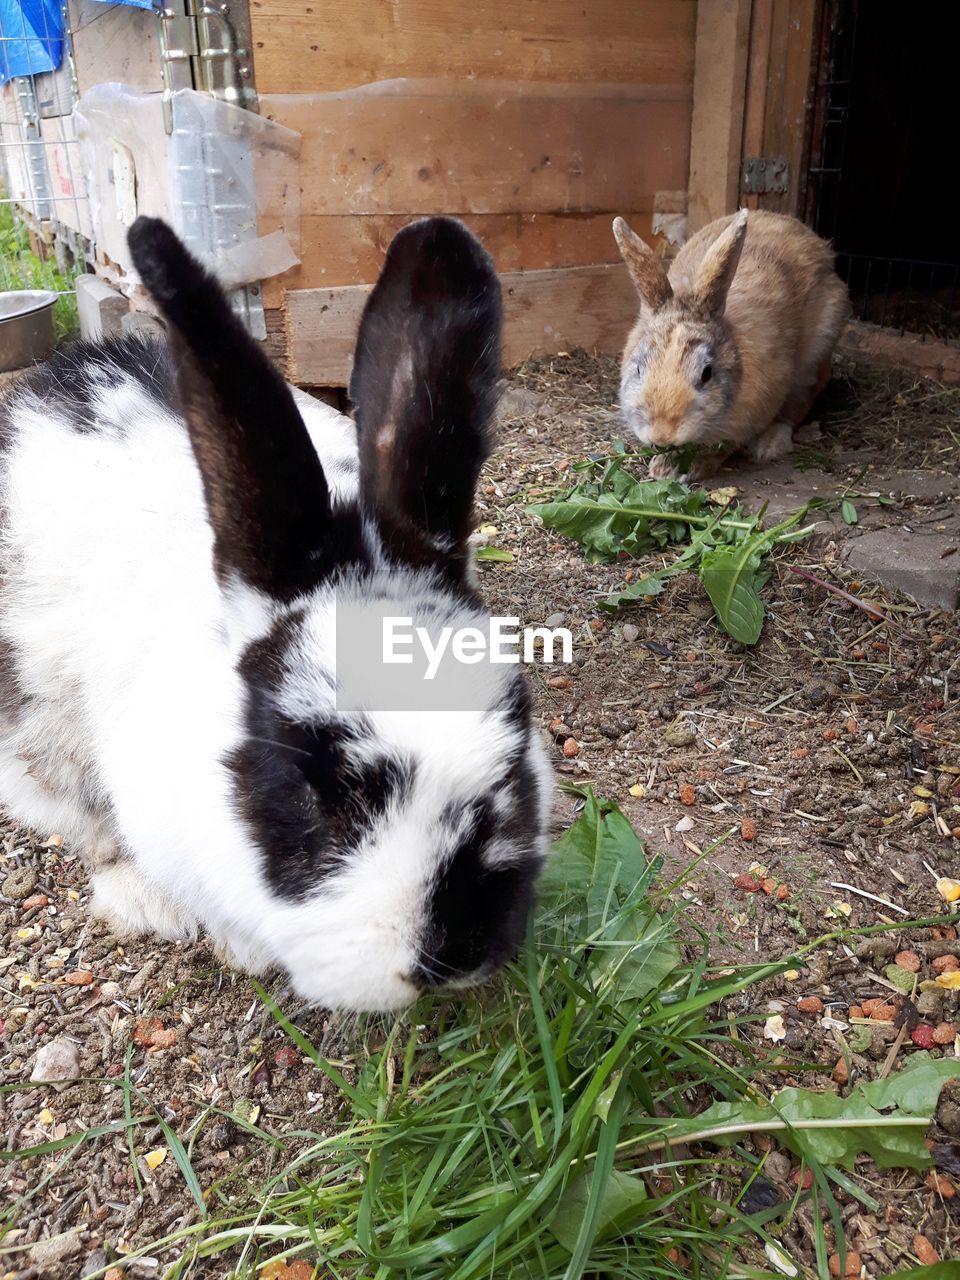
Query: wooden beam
{"type": "Point", "coordinates": [343, 249]}
{"type": "Point", "coordinates": [719, 88]}
{"type": "Point", "coordinates": [303, 46]}
{"type": "Point", "coordinates": [544, 312]}
{"type": "Point", "coordinates": [418, 147]}
{"type": "Point", "coordinates": [874, 345]}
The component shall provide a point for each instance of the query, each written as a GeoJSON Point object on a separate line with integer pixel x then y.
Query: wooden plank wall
{"type": "Point", "coordinates": [543, 312]}
{"type": "Point", "coordinates": [115, 43]}
{"type": "Point", "coordinates": [323, 45]}
{"type": "Point", "coordinates": [67, 178]}
{"type": "Point", "coordinates": [716, 133]}
{"type": "Point", "coordinates": [535, 123]}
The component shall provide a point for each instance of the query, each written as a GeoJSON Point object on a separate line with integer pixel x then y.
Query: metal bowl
{"type": "Point", "coordinates": [26, 327]}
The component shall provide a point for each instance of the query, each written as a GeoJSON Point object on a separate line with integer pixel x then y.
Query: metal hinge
{"type": "Point", "coordinates": [207, 47]}
{"type": "Point", "coordinates": [765, 175]}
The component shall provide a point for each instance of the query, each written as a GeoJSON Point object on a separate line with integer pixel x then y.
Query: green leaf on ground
{"type": "Point", "coordinates": [612, 514]}
{"type": "Point", "coordinates": [886, 1119]}
{"type": "Point", "coordinates": [620, 1202]}
{"type": "Point", "coordinates": [848, 512]}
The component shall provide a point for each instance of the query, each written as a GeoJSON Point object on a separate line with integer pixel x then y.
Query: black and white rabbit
{"type": "Point", "coordinates": [177, 528]}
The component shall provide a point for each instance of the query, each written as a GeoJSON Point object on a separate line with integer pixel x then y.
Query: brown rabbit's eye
{"type": "Point", "coordinates": [706, 375]}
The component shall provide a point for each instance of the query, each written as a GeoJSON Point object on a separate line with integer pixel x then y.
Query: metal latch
{"type": "Point", "coordinates": [765, 175]}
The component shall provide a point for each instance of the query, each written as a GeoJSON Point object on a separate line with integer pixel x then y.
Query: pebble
{"type": "Point", "coordinates": [19, 884]}
{"type": "Point", "coordinates": [948, 1115]}
{"type": "Point", "coordinates": [924, 1250]}
{"type": "Point", "coordinates": [141, 978]}
{"type": "Point", "coordinates": [929, 1004]}
{"type": "Point", "coordinates": [777, 1166]}
{"type": "Point", "coordinates": [46, 1253]}
{"type": "Point", "coordinates": [59, 1060]}
{"type": "Point", "coordinates": [555, 620]}
{"type": "Point", "coordinates": [681, 734]}
{"type": "Point", "coordinates": [571, 748]}
{"type": "Point", "coordinates": [94, 1265]}
{"type": "Point", "coordinates": [630, 632]}
{"type": "Point", "coordinates": [853, 1265]}
{"type": "Point", "coordinates": [810, 1004]}
{"type": "Point", "coordinates": [880, 1042]}
{"type": "Point", "coordinates": [882, 1012]}
{"type": "Point", "coordinates": [876, 950]}
{"type": "Point", "coordinates": [221, 1134]}
{"type": "Point", "coordinates": [908, 960]}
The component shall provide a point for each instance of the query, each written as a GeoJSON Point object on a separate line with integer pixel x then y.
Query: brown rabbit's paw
{"type": "Point", "coordinates": [662, 467]}
{"type": "Point", "coordinates": [775, 442]}
{"type": "Point", "coordinates": [704, 466]}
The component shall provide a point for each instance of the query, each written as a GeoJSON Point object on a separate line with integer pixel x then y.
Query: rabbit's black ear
{"type": "Point", "coordinates": [425, 380]}
{"type": "Point", "coordinates": [266, 495]}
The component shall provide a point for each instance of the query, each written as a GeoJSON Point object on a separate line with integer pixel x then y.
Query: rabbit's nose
{"type": "Point", "coordinates": [661, 433]}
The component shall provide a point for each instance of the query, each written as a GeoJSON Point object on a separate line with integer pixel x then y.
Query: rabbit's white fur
{"type": "Point", "coordinates": [85, 619]}
{"type": "Point", "coordinates": [130, 700]}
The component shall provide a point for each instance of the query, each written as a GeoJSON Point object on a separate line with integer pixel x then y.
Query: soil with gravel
{"type": "Point", "coordinates": [826, 758]}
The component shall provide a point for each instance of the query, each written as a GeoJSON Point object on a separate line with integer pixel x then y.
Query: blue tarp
{"type": "Point", "coordinates": [31, 37]}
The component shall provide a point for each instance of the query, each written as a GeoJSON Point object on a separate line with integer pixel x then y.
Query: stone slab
{"type": "Point", "coordinates": [100, 308]}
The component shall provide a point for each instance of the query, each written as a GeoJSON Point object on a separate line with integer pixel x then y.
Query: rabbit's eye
{"type": "Point", "coordinates": [706, 375]}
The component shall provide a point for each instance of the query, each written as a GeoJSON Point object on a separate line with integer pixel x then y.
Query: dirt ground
{"type": "Point", "coordinates": [829, 754]}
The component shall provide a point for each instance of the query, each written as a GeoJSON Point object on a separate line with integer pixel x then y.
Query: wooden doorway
{"type": "Point", "coordinates": [753, 105]}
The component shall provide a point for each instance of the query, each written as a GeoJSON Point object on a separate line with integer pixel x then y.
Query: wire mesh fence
{"type": "Point", "coordinates": [45, 229]}
{"type": "Point", "coordinates": [906, 294]}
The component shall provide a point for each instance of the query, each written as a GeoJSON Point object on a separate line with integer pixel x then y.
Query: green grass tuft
{"type": "Point", "coordinates": [525, 1131]}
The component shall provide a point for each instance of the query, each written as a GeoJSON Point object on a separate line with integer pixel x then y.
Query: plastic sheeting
{"type": "Point", "coordinates": [226, 179]}
{"type": "Point", "coordinates": [31, 37]}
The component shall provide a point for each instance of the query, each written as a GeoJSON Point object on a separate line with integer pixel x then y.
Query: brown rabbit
{"type": "Point", "coordinates": [733, 345]}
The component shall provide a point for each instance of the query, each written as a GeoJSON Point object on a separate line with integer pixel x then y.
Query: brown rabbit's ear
{"type": "Point", "coordinates": [716, 271]}
{"type": "Point", "coordinates": [646, 269]}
